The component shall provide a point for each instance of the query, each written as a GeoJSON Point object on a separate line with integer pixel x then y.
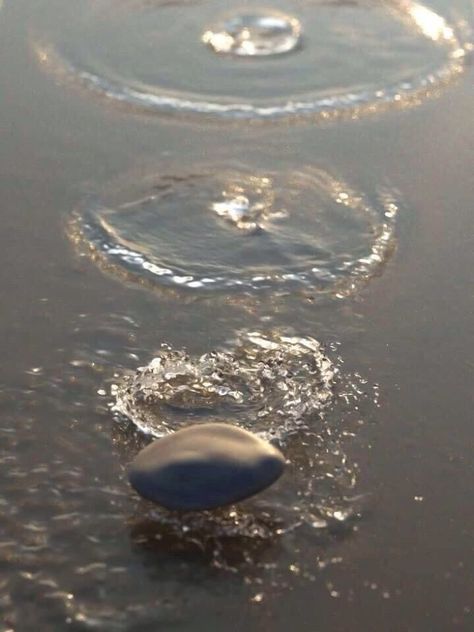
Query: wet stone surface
{"type": "Point", "coordinates": [205, 467]}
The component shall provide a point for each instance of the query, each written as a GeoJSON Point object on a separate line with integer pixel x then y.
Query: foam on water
{"type": "Point", "coordinates": [238, 230]}
{"type": "Point", "coordinates": [358, 57]}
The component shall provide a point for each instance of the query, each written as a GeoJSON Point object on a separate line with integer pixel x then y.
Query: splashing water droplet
{"type": "Point", "coordinates": [236, 209]}
{"type": "Point", "coordinates": [254, 34]}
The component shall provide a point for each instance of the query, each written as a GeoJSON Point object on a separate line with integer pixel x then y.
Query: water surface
{"type": "Point", "coordinates": [382, 463]}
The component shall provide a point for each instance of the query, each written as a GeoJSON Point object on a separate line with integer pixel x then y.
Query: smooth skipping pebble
{"type": "Point", "coordinates": [205, 466]}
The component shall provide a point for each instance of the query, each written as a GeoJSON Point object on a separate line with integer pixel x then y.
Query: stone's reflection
{"type": "Point", "coordinates": [257, 34]}
{"type": "Point", "coordinates": [359, 57]}
{"type": "Point", "coordinates": [297, 229]}
{"type": "Point", "coordinates": [227, 539]}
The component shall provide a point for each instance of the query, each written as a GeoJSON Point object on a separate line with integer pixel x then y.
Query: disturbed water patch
{"type": "Point", "coordinates": [238, 230]}
{"type": "Point", "coordinates": [279, 386]}
{"type": "Point", "coordinates": [358, 57]}
{"type": "Point", "coordinates": [73, 534]}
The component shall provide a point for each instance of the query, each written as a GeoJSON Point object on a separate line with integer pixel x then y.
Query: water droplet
{"type": "Point", "coordinates": [255, 34]}
{"type": "Point", "coordinates": [236, 209]}
{"type": "Point", "coordinates": [248, 204]}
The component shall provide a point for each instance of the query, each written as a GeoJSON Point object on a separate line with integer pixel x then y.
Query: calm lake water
{"type": "Point", "coordinates": [306, 220]}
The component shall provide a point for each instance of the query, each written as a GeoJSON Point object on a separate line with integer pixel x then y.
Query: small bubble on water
{"type": "Point", "coordinates": [256, 34]}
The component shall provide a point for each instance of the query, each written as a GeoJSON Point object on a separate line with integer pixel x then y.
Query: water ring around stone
{"type": "Point", "coordinates": [209, 58]}
{"type": "Point", "coordinates": [212, 229]}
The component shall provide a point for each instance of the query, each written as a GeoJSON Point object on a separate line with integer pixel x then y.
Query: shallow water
{"type": "Point", "coordinates": [371, 527]}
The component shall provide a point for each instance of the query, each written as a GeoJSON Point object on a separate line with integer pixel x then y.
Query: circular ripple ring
{"type": "Point", "coordinates": [405, 52]}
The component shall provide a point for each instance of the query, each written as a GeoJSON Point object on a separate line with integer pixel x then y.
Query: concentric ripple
{"type": "Point", "coordinates": [357, 57]}
{"type": "Point", "coordinates": [236, 229]}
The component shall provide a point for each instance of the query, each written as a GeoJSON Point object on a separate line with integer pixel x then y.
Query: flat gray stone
{"type": "Point", "coordinates": [205, 466]}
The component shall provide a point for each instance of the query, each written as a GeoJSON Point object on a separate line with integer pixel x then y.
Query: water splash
{"type": "Point", "coordinates": [406, 52]}
{"type": "Point", "coordinates": [267, 384]}
{"type": "Point", "coordinates": [60, 505]}
{"type": "Point", "coordinates": [256, 34]}
{"type": "Point", "coordinates": [303, 229]}
{"type": "Point", "coordinates": [282, 387]}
